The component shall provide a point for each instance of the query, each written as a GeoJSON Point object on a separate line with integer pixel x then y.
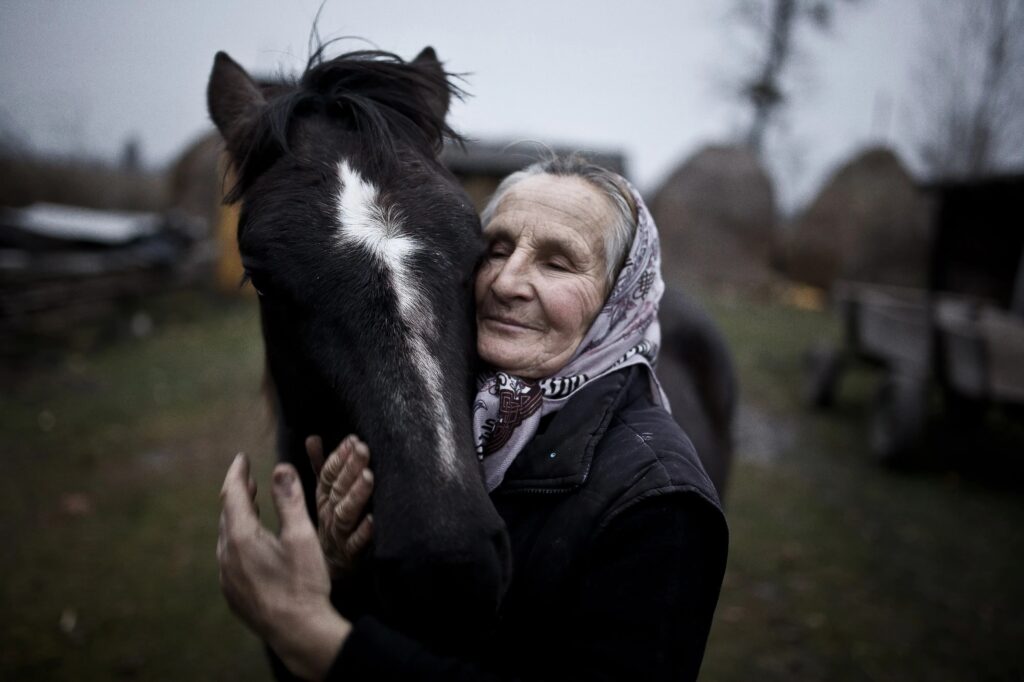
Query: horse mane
{"type": "Point", "coordinates": [380, 95]}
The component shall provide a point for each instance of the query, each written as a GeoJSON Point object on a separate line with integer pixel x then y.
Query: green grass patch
{"type": "Point", "coordinates": [842, 570]}
{"type": "Point", "coordinates": [114, 459]}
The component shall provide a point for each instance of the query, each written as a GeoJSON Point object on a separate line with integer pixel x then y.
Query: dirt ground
{"type": "Point", "coordinates": [838, 570]}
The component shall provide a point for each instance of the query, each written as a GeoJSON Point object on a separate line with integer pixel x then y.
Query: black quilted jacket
{"type": "Point", "coordinates": [619, 548]}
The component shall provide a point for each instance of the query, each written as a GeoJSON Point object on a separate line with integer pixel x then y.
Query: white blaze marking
{"type": "Point", "coordinates": [364, 222]}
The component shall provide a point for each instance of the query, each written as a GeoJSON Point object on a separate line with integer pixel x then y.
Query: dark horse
{"type": "Point", "coordinates": [363, 247]}
{"type": "Point", "coordinates": [696, 370]}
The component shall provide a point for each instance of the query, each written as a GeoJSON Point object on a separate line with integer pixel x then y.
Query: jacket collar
{"type": "Point", "coordinates": [559, 456]}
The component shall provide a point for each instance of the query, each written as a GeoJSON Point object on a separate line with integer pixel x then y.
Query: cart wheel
{"type": "Point", "coordinates": [898, 419]}
{"type": "Point", "coordinates": [823, 365]}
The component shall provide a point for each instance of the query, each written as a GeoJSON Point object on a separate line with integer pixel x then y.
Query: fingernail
{"type": "Point", "coordinates": [367, 475]}
{"type": "Point", "coordinates": [284, 479]}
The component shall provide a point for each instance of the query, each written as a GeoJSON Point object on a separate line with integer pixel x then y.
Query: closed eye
{"type": "Point", "coordinates": [498, 251]}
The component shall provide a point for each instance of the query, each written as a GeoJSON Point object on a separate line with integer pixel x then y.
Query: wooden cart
{"type": "Point", "coordinates": [953, 350]}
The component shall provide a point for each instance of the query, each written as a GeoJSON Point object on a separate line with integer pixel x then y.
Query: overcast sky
{"type": "Point", "coordinates": [645, 77]}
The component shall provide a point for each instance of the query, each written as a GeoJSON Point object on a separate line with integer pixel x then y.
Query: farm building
{"type": "Point", "coordinates": [480, 166]}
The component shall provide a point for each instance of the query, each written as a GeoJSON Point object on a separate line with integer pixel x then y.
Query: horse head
{"type": "Point", "coordinates": [362, 248]}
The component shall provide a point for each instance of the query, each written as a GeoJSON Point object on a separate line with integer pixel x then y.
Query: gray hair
{"type": "Point", "coordinates": [618, 236]}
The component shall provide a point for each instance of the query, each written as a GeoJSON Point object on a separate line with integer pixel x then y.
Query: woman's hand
{"type": "Point", "coordinates": [344, 486]}
{"type": "Point", "coordinates": [278, 585]}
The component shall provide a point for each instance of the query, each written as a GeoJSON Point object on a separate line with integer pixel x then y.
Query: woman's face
{"type": "Point", "coordinates": [542, 281]}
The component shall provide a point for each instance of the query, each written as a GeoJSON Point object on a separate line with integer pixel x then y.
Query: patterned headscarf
{"type": "Point", "coordinates": [508, 409]}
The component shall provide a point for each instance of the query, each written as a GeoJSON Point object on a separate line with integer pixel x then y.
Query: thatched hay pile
{"type": "Point", "coordinates": [869, 223]}
{"type": "Point", "coordinates": [716, 214]}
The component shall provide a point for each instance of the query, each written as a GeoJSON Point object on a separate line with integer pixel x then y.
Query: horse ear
{"type": "Point", "coordinates": [233, 98]}
{"type": "Point", "coordinates": [440, 97]}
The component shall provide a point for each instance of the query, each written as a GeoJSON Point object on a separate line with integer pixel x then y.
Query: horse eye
{"type": "Point", "coordinates": [249, 279]}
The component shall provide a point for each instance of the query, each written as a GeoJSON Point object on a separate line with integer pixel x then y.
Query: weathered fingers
{"type": "Point", "coordinates": [344, 488]}
{"type": "Point", "coordinates": [356, 460]}
{"type": "Point", "coordinates": [352, 502]}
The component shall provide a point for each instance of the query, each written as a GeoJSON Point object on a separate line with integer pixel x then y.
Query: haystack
{"type": "Point", "coordinates": [869, 223]}
{"type": "Point", "coordinates": [715, 214]}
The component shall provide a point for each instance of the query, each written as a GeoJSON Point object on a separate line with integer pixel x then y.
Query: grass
{"type": "Point", "coordinates": [113, 459]}
{"type": "Point", "coordinates": [841, 570]}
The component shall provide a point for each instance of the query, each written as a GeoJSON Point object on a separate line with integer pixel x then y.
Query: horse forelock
{"type": "Point", "coordinates": [377, 94]}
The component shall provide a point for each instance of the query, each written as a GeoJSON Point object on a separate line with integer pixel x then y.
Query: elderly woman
{"type": "Point", "coordinates": [619, 542]}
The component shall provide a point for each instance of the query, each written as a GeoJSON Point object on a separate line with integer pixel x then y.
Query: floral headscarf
{"type": "Point", "coordinates": [508, 409]}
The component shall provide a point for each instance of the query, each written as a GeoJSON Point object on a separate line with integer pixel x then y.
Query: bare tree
{"type": "Point", "coordinates": [776, 21]}
{"type": "Point", "coordinates": [970, 116]}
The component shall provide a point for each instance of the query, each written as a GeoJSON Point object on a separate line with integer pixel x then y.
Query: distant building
{"type": "Point", "coordinates": [480, 166]}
